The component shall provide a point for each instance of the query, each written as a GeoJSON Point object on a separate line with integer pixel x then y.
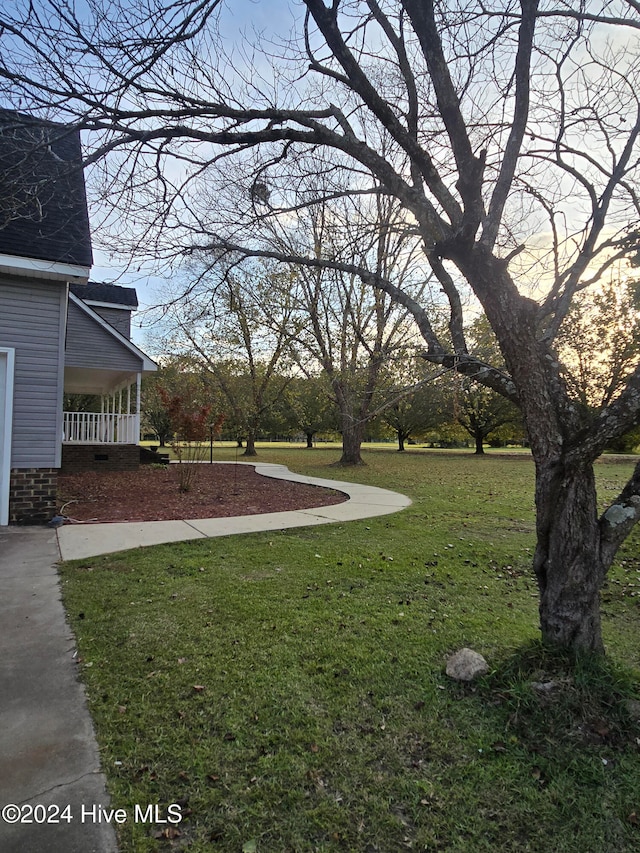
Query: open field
{"type": "Point", "coordinates": [287, 689]}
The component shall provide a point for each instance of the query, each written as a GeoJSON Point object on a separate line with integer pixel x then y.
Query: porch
{"type": "Point", "coordinates": [117, 422]}
{"type": "Point", "coordinates": [100, 415]}
{"type": "Point", "coordinates": [106, 439]}
{"type": "Point", "coordinates": [100, 428]}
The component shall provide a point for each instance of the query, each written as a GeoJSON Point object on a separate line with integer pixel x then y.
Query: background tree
{"type": "Point", "coordinates": [347, 329]}
{"type": "Point", "coordinates": [481, 411]}
{"type": "Point", "coordinates": [508, 134]}
{"type": "Point", "coordinates": [310, 407]}
{"type": "Point", "coordinates": [81, 402]}
{"type": "Point", "coordinates": [600, 342]}
{"type": "Point", "coordinates": [419, 403]}
{"type": "Point", "coordinates": [478, 409]}
{"type": "Point", "coordinates": [230, 324]}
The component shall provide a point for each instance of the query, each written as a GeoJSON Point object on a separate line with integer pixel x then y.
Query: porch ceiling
{"type": "Point", "coordinates": [88, 380]}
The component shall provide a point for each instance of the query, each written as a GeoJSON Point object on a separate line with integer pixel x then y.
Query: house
{"type": "Point", "coordinates": [59, 334]}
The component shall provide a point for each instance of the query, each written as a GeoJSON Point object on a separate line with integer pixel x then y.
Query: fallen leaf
{"type": "Point", "coordinates": [168, 832]}
{"type": "Point", "coordinates": [198, 688]}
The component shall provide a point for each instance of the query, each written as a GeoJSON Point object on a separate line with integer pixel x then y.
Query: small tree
{"type": "Point", "coordinates": [309, 406]}
{"type": "Point", "coordinates": [480, 411]}
{"type": "Point", "coordinates": [416, 411]}
{"type": "Point", "coordinates": [599, 341]}
{"type": "Point", "coordinates": [191, 426]}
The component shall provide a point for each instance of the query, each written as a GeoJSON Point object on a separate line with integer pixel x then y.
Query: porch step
{"type": "Point", "coordinates": [152, 457]}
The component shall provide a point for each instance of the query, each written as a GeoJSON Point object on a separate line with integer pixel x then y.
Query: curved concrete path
{"type": "Point", "coordinates": [78, 541]}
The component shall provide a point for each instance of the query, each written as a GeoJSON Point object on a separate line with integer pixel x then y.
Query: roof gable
{"type": "Point", "coordinates": [43, 205]}
{"type": "Point", "coordinates": [100, 340]}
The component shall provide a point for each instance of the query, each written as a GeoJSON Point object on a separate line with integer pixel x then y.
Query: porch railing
{"type": "Point", "coordinates": [100, 428]}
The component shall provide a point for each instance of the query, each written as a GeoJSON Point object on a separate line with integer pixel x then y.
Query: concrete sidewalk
{"type": "Point", "coordinates": [48, 752]}
{"type": "Point", "coordinates": [78, 541]}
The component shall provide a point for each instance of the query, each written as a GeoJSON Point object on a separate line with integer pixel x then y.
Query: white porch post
{"type": "Point", "coordinates": [138, 399]}
{"type": "Point", "coordinates": [117, 422]}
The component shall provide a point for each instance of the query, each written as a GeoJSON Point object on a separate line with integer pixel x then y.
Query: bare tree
{"type": "Point", "coordinates": [225, 321]}
{"type": "Point", "coordinates": [507, 132]}
{"type": "Point", "coordinates": [352, 332]}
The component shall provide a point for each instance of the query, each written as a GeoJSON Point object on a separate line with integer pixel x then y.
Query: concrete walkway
{"type": "Point", "coordinates": [48, 752]}
{"type": "Point", "coordinates": [78, 541]}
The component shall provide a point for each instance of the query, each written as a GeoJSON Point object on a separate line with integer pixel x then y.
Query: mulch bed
{"type": "Point", "coordinates": [153, 494]}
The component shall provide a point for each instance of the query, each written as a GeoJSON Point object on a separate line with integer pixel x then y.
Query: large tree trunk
{"type": "Point", "coordinates": [250, 449]}
{"type": "Point", "coordinates": [568, 561]}
{"type": "Point", "coordinates": [352, 425]}
{"type": "Point", "coordinates": [351, 443]}
{"type": "Point", "coordinates": [479, 439]}
{"type": "Point", "coordinates": [309, 440]}
{"type": "Point", "coordinates": [352, 437]}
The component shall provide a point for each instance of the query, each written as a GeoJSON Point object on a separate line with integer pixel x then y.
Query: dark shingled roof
{"type": "Point", "coordinates": [43, 204]}
{"type": "Point", "coordinates": [112, 294]}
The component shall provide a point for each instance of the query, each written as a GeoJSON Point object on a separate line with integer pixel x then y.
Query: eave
{"type": "Point", "coordinates": [43, 270]}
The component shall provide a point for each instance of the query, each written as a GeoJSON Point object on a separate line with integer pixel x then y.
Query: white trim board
{"type": "Point", "coordinates": [51, 270]}
{"type": "Point", "coordinates": [7, 366]}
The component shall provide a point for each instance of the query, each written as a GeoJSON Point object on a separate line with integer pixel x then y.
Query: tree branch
{"type": "Point", "coordinates": [620, 517]}
{"type": "Point", "coordinates": [474, 368]}
{"type": "Point", "coordinates": [326, 20]}
{"type": "Point", "coordinates": [519, 125]}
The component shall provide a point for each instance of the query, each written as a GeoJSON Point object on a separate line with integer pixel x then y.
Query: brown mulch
{"type": "Point", "coordinates": [153, 494]}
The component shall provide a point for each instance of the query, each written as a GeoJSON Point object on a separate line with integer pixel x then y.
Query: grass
{"type": "Point", "coordinates": [287, 689]}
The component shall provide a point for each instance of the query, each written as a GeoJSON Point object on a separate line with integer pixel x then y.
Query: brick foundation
{"type": "Point", "coordinates": [99, 457]}
{"type": "Point", "coordinates": [32, 495]}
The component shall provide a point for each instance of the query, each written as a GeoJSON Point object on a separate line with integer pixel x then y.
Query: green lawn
{"type": "Point", "coordinates": [287, 689]}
